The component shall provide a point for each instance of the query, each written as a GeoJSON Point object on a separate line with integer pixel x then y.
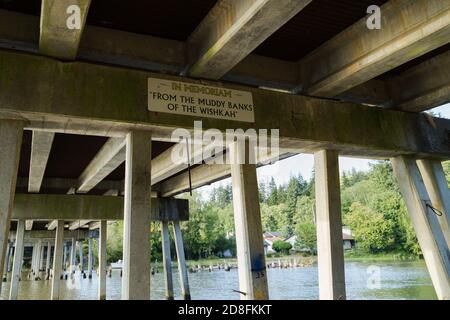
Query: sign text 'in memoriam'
{"type": "Point", "coordinates": [199, 100]}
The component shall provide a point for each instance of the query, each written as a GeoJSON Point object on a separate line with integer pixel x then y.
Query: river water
{"type": "Point", "coordinates": [397, 280]}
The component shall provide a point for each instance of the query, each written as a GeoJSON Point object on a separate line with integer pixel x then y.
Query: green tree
{"type": "Point", "coordinates": [272, 198]}
{"type": "Point", "coordinates": [282, 246]}
{"type": "Point", "coordinates": [372, 232]}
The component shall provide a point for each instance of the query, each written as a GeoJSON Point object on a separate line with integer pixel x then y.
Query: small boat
{"type": "Point", "coordinates": [116, 265]}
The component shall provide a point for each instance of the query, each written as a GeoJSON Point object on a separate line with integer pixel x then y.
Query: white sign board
{"type": "Point", "coordinates": [200, 101]}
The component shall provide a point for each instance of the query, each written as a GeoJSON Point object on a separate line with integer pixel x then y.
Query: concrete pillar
{"type": "Point", "coordinates": [102, 261]}
{"type": "Point", "coordinates": [247, 218]}
{"type": "Point", "coordinates": [330, 250]}
{"type": "Point", "coordinates": [57, 261]}
{"type": "Point", "coordinates": [42, 260]}
{"type": "Point", "coordinates": [80, 248]}
{"type": "Point", "coordinates": [182, 268]}
{"type": "Point", "coordinates": [437, 188]}
{"type": "Point", "coordinates": [167, 261]}
{"type": "Point", "coordinates": [90, 257]}
{"type": "Point", "coordinates": [33, 259]}
{"type": "Point", "coordinates": [72, 257]}
{"type": "Point", "coordinates": [6, 266]}
{"type": "Point", "coordinates": [47, 264]}
{"type": "Point", "coordinates": [426, 224]}
{"type": "Point", "coordinates": [18, 261]}
{"type": "Point", "coordinates": [11, 132]}
{"type": "Point", "coordinates": [37, 263]}
{"type": "Point", "coordinates": [137, 208]}
{"type": "Point", "coordinates": [65, 256]}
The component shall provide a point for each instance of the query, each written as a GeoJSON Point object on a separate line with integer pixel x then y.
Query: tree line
{"type": "Point", "coordinates": [372, 207]}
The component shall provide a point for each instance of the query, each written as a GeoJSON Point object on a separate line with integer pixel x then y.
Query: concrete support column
{"type": "Point", "coordinates": [72, 257]}
{"type": "Point", "coordinates": [65, 256]}
{"type": "Point", "coordinates": [182, 268]}
{"type": "Point", "coordinates": [247, 218]}
{"type": "Point", "coordinates": [438, 191]}
{"type": "Point", "coordinates": [80, 248]}
{"type": "Point", "coordinates": [167, 260]}
{"type": "Point", "coordinates": [330, 250]}
{"type": "Point", "coordinates": [137, 206]}
{"type": "Point", "coordinates": [37, 259]}
{"type": "Point", "coordinates": [90, 257]}
{"type": "Point", "coordinates": [102, 261]}
{"type": "Point", "coordinates": [18, 261]}
{"type": "Point", "coordinates": [57, 261]}
{"type": "Point", "coordinates": [33, 259]}
{"type": "Point", "coordinates": [47, 264]}
{"type": "Point", "coordinates": [11, 132]}
{"type": "Point", "coordinates": [6, 266]}
{"type": "Point", "coordinates": [426, 224]}
{"type": "Point", "coordinates": [42, 260]}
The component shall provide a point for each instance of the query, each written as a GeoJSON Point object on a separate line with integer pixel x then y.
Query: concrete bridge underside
{"type": "Point", "coordinates": [78, 146]}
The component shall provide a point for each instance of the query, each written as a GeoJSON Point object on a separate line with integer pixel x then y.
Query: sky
{"type": "Point", "coordinates": [303, 164]}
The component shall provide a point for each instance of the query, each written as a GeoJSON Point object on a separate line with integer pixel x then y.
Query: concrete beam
{"type": "Point", "coordinates": [66, 184]}
{"type": "Point", "coordinates": [45, 235]}
{"type": "Point", "coordinates": [126, 49]}
{"type": "Point", "coordinates": [52, 225]}
{"type": "Point", "coordinates": [351, 129]}
{"type": "Point", "coordinates": [232, 30]}
{"type": "Point", "coordinates": [204, 175]}
{"type": "Point", "coordinates": [62, 24]}
{"type": "Point", "coordinates": [87, 207]}
{"type": "Point", "coordinates": [110, 156]}
{"type": "Point", "coordinates": [422, 87]}
{"type": "Point", "coordinates": [426, 224]}
{"type": "Point", "coordinates": [11, 133]}
{"type": "Point", "coordinates": [409, 29]}
{"type": "Point", "coordinates": [28, 225]}
{"type": "Point", "coordinates": [41, 145]}
{"type": "Point", "coordinates": [78, 224]}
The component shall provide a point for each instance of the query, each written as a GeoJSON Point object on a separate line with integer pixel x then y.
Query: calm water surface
{"type": "Point", "coordinates": [399, 280]}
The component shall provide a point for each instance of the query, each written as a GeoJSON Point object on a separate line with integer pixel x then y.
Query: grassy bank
{"type": "Point", "coordinates": [355, 255]}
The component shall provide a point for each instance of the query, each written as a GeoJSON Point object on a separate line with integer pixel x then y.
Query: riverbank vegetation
{"type": "Point", "coordinates": [372, 207]}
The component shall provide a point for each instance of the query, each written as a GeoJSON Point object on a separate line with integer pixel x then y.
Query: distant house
{"type": "Point", "coordinates": [269, 239]}
{"type": "Point", "coordinates": [347, 237]}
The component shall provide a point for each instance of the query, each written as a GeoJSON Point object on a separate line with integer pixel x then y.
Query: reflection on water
{"type": "Point", "coordinates": [399, 280]}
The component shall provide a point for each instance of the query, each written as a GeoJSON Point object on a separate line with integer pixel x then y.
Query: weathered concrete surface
{"type": "Point", "coordinates": [41, 145]}
{"type": "Point", "coordinates": [136, 226]}
{"type": "Point", "coordinates": [330, 251]}
{"type": "Point", "coordinates": [10, 144]}
{"type": "Point", "coordinates": [182, 267]}
{"type": "Point", "coordinates": [423, 87]}
{"type": "Point", "coordinates": [426, 224]}
{"type": "Point", "coordinates": [56, 38]}
{"type": "Point", "coordinates": [18, 261]}
{"type": "Point", "coordinates": [133, 50]}
{"type": "Point", "coordinates": [57, 261]}
{"type": "Point", "coordinates": [102, 261]}
{"type": "Point", "coordinates": [437, 188]}
{"type": "Point", "coordinates": [110, 156]}
{"type": "Point", "coordinates": [167, 260]}
{"type": "Point", "coordinates": [87, 207]}
{"type": "Point", "coordinates": [409, 29]}
{"type": "Point", "coordinates": [232, 30]}
{"type": "Point", "coordinates": [247, 220]}
{"type": "Point", "coordinates": [63, 94]}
